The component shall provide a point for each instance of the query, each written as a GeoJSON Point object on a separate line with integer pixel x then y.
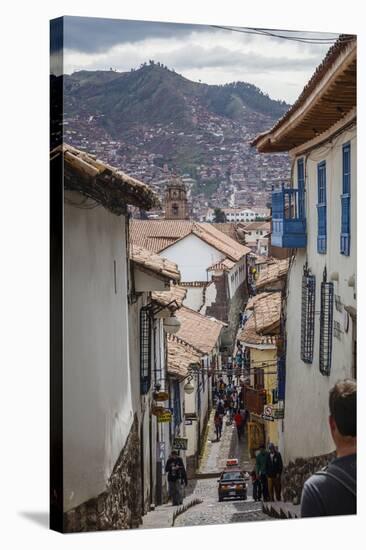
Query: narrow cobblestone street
{"type": "Point", "coordinates": [215, 455]}
{"type": "Point", "coordinates": [205, 487]}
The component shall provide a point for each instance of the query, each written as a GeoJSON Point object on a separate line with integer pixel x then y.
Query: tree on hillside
{"type": "Point", "coordinates": [219, 216]}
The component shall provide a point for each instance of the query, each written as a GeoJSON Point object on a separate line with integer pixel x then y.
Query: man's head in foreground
{"type": "Point", "coordinates": [342, 419]}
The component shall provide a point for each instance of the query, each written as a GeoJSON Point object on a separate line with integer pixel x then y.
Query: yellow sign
{"type": "Point", "coordinates": [166, 416]}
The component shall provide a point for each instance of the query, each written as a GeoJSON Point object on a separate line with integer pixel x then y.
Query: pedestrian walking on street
{"type": "Point", "coordinates": [245, 414]}
{"type": "Point", "coordinates": [177, 477]}
{"type": "Point", "coordinates": [218, 425]}
{"type": "Point", "coordinates": [261, 470]}
{"type": "Point", "coordinates": [274, 468]}
{"type": "Point", "coordinates": [332, 491]}
{"type": "Point", "coordinates": [257, 488]}
{"type": "Point", "coordinates": [221, 408]}
{"type": "Point", "coordinates": [238, 419]}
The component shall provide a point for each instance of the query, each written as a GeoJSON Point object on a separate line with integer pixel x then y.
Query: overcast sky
{"type": "Point", "coordinates": [279, 67]}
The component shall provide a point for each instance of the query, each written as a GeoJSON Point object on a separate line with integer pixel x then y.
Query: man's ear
{"type": "Point", "coordinates": [332, 424]}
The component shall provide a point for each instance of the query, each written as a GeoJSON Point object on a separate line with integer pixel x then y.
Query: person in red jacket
{"type": "Point", "coordinates": [238, 419]}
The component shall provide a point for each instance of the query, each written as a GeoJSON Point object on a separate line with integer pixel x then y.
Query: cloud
{"type": "Point", "coordinates": [214, 56]}
{"type": "Point", "coordinates": [94, 35]}
{"type": "Point", "coordinates": [197, 57]}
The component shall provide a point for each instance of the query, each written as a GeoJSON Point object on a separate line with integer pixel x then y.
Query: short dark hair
{"type": "Point", "coordinates": [342, 406]}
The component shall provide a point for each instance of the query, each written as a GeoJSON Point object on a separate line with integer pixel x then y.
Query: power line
{"type": "Point", "coordinates": [302, 39]}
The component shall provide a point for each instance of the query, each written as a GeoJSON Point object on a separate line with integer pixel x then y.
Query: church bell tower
{"type": "Point", "coordinates": [176, 205]}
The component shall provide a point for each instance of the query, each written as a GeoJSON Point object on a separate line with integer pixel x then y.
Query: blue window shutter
{"type": "Point", "coordinates": [301, 186]}
{"type": "Point", "coordinates": [346, 200]}
{"type": "Point", "coordinates": [322, 208]}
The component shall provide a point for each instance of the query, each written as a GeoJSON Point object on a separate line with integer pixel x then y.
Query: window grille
{"type": "Point", "coordinates": [307, 317]}
{"type": "Point", "coordinates": [145, 351]}
{"type": "Point", "coordinates": [326, 327]}
{"type": "Point", "coordinates": [322, 208]}
{"type": "Point", "coordinates": [345, 200]}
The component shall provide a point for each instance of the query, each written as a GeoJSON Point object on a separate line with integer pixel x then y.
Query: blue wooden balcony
{"type": "Point", "coordinates": [288, 218]}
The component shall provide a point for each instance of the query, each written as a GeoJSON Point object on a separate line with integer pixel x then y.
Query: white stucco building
{"type": "Point", "coordinates": [212, 265]}
{"type": "Point", "coordinates": [235, 215]}
{"type": "Point", "coordinates": [316, 218]}
{"type": "Point", "coordinates": [108, 457]}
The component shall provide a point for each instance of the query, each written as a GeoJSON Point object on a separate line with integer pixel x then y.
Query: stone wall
{"type": "Point", "coordinates": [119, 506]}
{"type": "Point", "coordinates": [296, 473]}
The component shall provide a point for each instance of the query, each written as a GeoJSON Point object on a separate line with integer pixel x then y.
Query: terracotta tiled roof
{"type": "Point", "coordinates": [272, 273]}
{"type": "Point", "coordinates": [101, 182]}
{"type": "Point", "coordinates": [153, 262]}
{"type": "Point", "coordinates": [208, 233]}
{"type": "Point", "coordinates": [225, 265]}
{"type": "Point", "coordinates": [175, 294]}
{"type": "Point", "coordinates": [264, 322]}
{"type": "Point", "coordinates": [267, 313]}
{"type": "Point", "coordinates": [256, 226]}
{"type": "Point", "coordinates": [254, 300]}
{"type": "Point", "coordinates": [156, 235]}
{"type": "Point", "coordinates": [198, 330]}
{"type": "Point", "coordinates": [249, 335]}
{"type": "Point", "coordinates": [180, 357]}
{"type": "Point", "coordinates": [230, 229]}
{"type": "Point", "coordinates": [155, 244]}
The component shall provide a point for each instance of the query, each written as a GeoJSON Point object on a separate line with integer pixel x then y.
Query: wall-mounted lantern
{"type": "Point", "coordinates": [189, 387]}
{"type": "Point", "coordinates": [171, 324]}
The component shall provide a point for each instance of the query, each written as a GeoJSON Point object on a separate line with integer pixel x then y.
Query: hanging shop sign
{"type": "Point", "coordinates": [279, 413]}
{"type": "Point", "coordinates": [161, 396]}
{"type": "Point", "coordinates": [166, 416]}
{"type": "Point", "coordinates": [180, 443]}
{"type": "Point", "coordinates": [157, 410]}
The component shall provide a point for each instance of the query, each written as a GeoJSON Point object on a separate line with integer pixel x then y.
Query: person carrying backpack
{"type": "Point", "coordinates": [332, 491]}
{"type": "Point", "coordinates": [177, 476]}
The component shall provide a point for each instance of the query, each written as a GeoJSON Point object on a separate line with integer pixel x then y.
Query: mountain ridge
{"type": "Point", "coordinates": [155, 94]}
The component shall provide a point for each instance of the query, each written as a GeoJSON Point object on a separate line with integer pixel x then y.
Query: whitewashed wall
{"type": "Point", "coordinates": [194, 297]}
{"type": "Point", "coordinates": [306, 419]}
{"type": "Point", "coordinates": [237, 276]}
{"type": "Point", "coordinates": [193, 257]}
{"type": "Point", "coordinates": [210, 297]}
{"type": "Point", "coordinates": [97, 413]}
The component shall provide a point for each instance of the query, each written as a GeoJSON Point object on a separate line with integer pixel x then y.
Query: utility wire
{"type": "Point", "coordinates": [302, 39]}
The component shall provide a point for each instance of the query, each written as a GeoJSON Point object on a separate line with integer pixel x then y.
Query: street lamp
{"type": "Point", "coordinates": [189, 387]}
{"type": "Point", "coordinates": [171, 324]}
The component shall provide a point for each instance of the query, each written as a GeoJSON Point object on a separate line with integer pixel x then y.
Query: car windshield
{"type": "Point", "coordinates": [231, 476]}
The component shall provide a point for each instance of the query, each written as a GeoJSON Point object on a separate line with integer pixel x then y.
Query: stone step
{"type": "Point", "coordinates": [282, 510]}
